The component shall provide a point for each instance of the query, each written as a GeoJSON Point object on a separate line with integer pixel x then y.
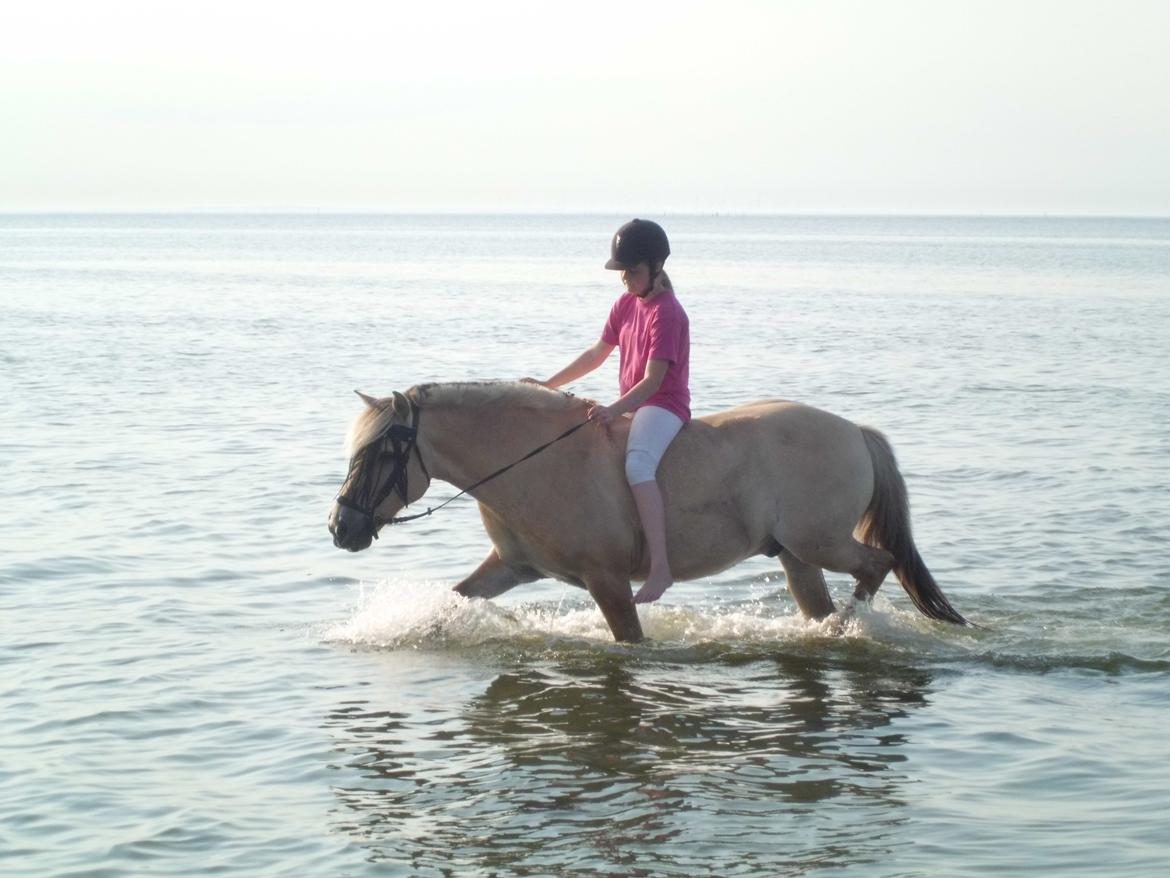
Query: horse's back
{"type": "Point", "coordinates": [775, 427]}
{"type": "Point", "coordinates": [766, 461]}
{"type": "Point", "coordinates": [767, 429]}
{"type": "Point", "coordinates": [775, 412]}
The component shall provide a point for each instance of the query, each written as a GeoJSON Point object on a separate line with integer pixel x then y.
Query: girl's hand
{"type": "Point", "coordinates": [532, 381]}
{"type": "Point", "coordinates": [603, 413]}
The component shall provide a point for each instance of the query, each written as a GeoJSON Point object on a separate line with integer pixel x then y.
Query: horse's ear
{"type": "Point", "coordinates": [401, 405]}
{"type": "Point", "coordinates": [368, 400]}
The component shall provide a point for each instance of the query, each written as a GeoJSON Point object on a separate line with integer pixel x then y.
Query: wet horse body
{"type": "Point", "coordinates": [771, 477]}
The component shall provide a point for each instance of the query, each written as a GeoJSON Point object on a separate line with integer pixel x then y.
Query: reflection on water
{"type": "Point", "coordinates": [598, 764]}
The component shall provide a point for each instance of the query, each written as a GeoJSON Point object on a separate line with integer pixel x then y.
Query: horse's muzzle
{"type": "Point", "coordinates": [352, 530]}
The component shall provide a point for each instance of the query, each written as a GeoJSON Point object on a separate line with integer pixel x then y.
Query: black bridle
{"type": "Point", "coordinates": [403, 442]}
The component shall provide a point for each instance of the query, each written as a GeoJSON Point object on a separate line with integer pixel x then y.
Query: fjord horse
{"type": "Point", "coordinates": [770, 477]}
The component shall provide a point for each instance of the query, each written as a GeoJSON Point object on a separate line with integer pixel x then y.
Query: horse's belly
{"type": "Point", "coordinates": [704, 542]}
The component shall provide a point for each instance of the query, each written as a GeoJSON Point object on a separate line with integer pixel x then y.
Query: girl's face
{"type": "Point", "coordinates": [637, 279]}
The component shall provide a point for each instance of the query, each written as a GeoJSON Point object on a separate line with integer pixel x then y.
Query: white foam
{"type": "Point", "coordinates": [410, 614]}
{"type": "Point", "coordinates": [393, 614]}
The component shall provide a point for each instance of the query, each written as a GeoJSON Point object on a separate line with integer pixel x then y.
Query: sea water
{"type": "Point", "coordinates": [193, 681]}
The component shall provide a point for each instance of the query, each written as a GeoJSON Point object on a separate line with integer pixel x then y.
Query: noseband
{"type": "Point", "coordinates": [403, 443]}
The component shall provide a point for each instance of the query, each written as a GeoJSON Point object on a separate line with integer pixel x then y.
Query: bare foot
{"type": "Point", "coordinates": [653, 588]}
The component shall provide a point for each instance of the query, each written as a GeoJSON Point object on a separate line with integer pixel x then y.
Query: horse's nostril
{"type": "Point", "coordinates": [351, 528]}
{"type": "Point", "coordinates": [336, 526]}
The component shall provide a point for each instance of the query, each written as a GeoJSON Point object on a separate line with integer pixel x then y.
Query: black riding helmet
{"type": "Point", "coordinates": [638, 241]}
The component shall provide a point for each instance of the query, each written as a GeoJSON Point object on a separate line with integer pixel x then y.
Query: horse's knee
{"type": "Point", "coordinates": [808, 549]}
{"type": "Point", "coordinates": [876, 564]}
{"type": "Point", "coordinates": [867, 564]}
{"type": "Point", "coordinates": [493, 577]}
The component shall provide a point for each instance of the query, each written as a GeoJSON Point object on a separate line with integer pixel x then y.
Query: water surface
{"type": "Point", "coordinates": [196, 682]}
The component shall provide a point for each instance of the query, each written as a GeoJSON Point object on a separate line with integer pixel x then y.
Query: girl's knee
{"type": "Point", "coordinates": [641, 466]}
{"type": "Point", "coordinates": [652, 431]}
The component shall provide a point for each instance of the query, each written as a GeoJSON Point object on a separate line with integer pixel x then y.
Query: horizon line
{"type": "Point", "coordinates": [455, 212]}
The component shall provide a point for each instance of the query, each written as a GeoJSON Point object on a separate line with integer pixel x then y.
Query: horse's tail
{"type": "Point", "coordinates": [886, 524]}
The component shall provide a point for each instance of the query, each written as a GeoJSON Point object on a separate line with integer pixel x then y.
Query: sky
{"type": "Point", "coordinates": [988, 107]}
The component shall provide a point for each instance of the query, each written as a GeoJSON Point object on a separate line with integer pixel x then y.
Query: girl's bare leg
{"type": "Point", "coordinates": [652, 512]}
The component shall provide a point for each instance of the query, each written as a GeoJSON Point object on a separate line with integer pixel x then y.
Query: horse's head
{"type": "Point", "coordinates": [386, 471]}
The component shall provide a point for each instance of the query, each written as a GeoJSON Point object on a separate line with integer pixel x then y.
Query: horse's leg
{"type": "Point", "coordinates": [807, 586]}
{"type": "Point", "coordinates": [875, 566]}
{"type": "Point", "coordinates": [494, 577]}
{"type": "Point", "coordinates": [869, 565]}
{"type": "Point", "coordinates": [615, 599]}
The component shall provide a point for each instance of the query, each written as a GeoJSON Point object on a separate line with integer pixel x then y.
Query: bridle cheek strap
{"type": "Point", "coordinates": [403, 443]}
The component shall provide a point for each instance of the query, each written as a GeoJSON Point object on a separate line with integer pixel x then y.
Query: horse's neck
{"type": "Point", "coordinates": [463, 444]}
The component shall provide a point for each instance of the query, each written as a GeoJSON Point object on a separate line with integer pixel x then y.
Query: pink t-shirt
{"type": "Point", "coordinates": [653, 329]}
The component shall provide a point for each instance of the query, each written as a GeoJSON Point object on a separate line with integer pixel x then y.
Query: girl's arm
{"type": "Point", "coordinates": [636, 395]}
{"type": "Point", "coordinates": [589, 360]}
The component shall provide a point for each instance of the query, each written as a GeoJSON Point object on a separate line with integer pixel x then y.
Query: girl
{"type": "Point", "coordinates": [651, 328]}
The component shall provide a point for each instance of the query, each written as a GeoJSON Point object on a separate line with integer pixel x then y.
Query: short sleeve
{"type": "Point", "coordinates": [665, 336]}
{"type": "Point", "coordinates": [612, 331]}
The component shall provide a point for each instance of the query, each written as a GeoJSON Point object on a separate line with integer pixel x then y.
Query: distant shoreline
{"type": "Point", "coordinates": [453, 213]}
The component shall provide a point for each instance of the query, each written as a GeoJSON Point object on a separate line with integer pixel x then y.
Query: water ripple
{"type": "Point", "coordinates": [195, 682]}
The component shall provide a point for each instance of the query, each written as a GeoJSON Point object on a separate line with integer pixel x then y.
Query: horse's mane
{"type": "Point", "coordinates": [468, 394]}
{"type": "Point", "coordinates": [473, 394]}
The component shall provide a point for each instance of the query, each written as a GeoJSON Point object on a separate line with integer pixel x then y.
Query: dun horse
{"type": "Point", "coordinates": [772, 478]}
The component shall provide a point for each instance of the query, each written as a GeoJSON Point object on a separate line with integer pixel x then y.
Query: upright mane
{"type": "Point", "coordinates": [494, 393]}
{"type": "Point", "coordinates": [371, 423]}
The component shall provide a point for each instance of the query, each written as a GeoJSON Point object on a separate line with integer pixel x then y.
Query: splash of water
{"type": "Point", "coordinates": [394, 614]}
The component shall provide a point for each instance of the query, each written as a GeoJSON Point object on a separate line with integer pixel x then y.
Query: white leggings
{"type": "Point", "coordinates": [650, 434]}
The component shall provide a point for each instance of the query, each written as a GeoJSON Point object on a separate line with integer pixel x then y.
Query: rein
{"type": "Point", "coordinates": [405, 442]}
{"type": "Point", "coordinates": [535, 451]}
